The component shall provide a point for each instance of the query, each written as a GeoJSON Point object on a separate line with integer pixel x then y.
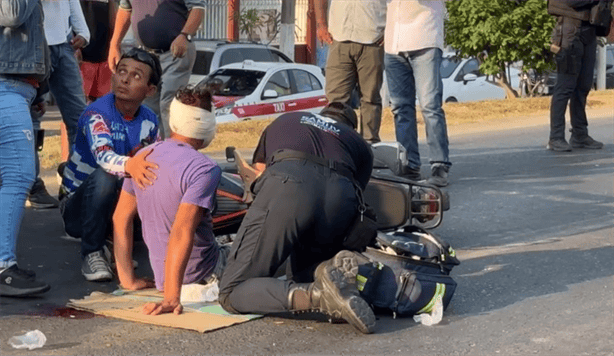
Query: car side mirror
{"type": "Point", "coordinates": [269, 94]}
{"type": "Point", "coordinates": [608, 66]}
{"type": "Point", "coordinates": [469, 77]}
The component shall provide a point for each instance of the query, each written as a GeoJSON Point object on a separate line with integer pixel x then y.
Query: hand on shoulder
{"type": "Point", "coordinates": [140, 169]}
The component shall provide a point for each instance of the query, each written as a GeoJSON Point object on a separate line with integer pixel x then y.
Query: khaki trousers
{"type": "Point", "coordinates": [349, 64]}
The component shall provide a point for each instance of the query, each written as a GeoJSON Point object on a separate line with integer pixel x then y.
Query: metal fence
{"type": "Point", "coordinates": [215, 23]}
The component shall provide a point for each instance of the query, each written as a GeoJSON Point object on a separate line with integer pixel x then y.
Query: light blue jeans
{"type": "Point", "coordinates": [16, 162]}
{"type": "Point", "coordinates": [417, 74]}
{"type": "Point", "coordinates": [66, 85]}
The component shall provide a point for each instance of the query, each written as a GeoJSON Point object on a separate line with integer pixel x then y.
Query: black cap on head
{"type": "Point", "coordinates": [148, 58]}
{"type": "Point", "coordinates": [342, 113]}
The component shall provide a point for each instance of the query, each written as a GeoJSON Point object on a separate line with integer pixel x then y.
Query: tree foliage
{"type": "Point", "coordinates": [499, 32]}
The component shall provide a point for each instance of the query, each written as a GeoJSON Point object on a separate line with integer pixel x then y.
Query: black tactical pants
{"type": "Point", "coordinates": [301, 211]}
{"type": "Point", "coordinates": [575, 65]}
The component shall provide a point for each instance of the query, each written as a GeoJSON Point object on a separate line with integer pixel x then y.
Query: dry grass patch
{"type": "Point", "coordinates": [245, 134]}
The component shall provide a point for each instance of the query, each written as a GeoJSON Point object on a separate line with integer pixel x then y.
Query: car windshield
{"type": "Point", "coordinates": [448, 65]}
{"type": "Point", "coordinates": [202, 63]}
{"type": "Point", "coordinates": [234, 82]}
{"type": "Point", "coordinates": [237, 55]}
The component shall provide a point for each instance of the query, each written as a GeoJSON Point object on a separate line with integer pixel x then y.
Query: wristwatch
{"type": "Point", "coordinates": [187, 36]}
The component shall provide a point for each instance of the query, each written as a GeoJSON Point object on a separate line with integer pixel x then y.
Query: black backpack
{"type": "Point", "coordinates": [407, 272]}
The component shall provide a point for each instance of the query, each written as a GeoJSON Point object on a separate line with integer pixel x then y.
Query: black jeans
{"type": "Point", "coordinates": [302, 211]}
{"type": "Point", "coordinates": [87, 213]}
{"type": "Point", "coordinates": [575, 66]}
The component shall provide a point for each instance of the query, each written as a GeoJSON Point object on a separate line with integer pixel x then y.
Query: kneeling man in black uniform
{"type": "Point", "coordinates": [306, 199]}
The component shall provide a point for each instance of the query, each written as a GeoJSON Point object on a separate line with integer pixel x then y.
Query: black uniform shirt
{"type": "Point", "coordinates": [319, 136]}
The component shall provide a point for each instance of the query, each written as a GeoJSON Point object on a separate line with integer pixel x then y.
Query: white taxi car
{"type": "Point", "coordinates": [264, 90]}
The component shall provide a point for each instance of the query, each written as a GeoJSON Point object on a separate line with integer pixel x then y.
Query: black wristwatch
{"type": "Point", "coordinates": [187, 36]}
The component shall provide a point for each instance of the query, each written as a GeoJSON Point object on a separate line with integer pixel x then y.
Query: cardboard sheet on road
{"type": "Point", "coordinates": [126, 305]}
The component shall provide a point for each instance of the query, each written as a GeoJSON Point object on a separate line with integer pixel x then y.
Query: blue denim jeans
{"type": "Point", "coordinates": [16, 162]}
{"type": "Point", "coordinates": [66, 85]}
{"type": "Point", "coordinates": [87, 213]}
{"type": "Point", "coordinates": [417, 74]}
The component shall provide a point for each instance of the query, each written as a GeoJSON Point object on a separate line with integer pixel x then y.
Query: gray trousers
{"type": "Point", "coordinates": [349, 64]}
{"type": "Point", "coordinates": [175, 74]}
{"type": "Point", "coordinates": [302, 211]}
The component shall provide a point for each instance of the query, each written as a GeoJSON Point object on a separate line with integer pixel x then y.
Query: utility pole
{"type": "Point", "coordinates": [234, 8]}
{"type": "Point", "coordinates": [286, 31]}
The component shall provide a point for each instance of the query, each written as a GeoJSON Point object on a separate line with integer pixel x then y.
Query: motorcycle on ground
{"type": "Point", "coordinates": [399, 203]}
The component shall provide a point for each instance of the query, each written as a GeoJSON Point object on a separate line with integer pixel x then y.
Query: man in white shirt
{"type": "Point", "coordinates": [414, 46]}
{"type": "Point", "coordinates": [355, 33]}
{"type": "Point", "coordinates": [66, 31]}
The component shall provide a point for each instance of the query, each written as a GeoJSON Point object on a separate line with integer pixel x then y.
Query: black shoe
{"type": "Point", "coordinates": [39, 198]}
{"type": "Point", "coordinates": [585, 142]}
{"type": "Point", "coordinates": [411, 173]}
{"type": "Point", "coordinates": [15, 282]}
{"type": "Point", "coordinates": [439, 175]}
{"type": "Point", "coordinates": [558, 145]}
{"type": "Point", "coordinates": [334, 292]}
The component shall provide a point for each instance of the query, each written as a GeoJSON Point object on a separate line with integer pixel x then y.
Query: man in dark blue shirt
{"type": "Point", "coordinates": [313, 169]}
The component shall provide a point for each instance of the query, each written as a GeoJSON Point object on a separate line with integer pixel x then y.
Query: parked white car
{"type": "Point", "coordinates": [463, 81]}
{"type": "Point", "coordinates": [213, 54]}
{"type": "Point", "coordinates": [262, 90]}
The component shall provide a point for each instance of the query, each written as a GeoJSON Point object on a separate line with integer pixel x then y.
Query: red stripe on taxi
{"type": "Point", "coordinates": [247, 111]}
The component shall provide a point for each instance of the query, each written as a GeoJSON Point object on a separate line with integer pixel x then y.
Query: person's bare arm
{"type": "Point", "coordinates": [179, 47]}
{"type": "Point", "coordinates": [321, 7]}
{"type": "Point", "coordinates": [260, 167]}
{"type": "Point", "coordinates": [178, 252]}
{"type": "Point", "coordinates": [122, 24]}
{"type": "Point", "coordinates": [123, 239]}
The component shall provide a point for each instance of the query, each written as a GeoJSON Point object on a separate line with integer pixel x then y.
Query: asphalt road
{"type": "Point", "coordinates": [533, 228]}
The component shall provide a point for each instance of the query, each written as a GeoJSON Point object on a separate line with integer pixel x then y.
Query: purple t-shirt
{"type": "Point", "coordinates": [184, 176]}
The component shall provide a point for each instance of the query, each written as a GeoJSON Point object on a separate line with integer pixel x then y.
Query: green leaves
{"type": "Point", "coordinates": [500, 32]}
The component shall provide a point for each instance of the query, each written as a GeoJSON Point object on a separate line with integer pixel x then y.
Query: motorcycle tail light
{"type": "Point", "coordinates": [425, 204]}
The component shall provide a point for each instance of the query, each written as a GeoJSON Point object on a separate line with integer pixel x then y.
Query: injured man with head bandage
{"type": "Point", "coordinates": [176, 209]}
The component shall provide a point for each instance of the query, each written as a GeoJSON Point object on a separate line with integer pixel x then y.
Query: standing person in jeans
{"type": "Point", "coordinates": [576, 40]}
{"type": "Point", "coordinates": [24, 65]}
{"type": "Point", "coordinates": [163, 27]}
{"type": "Point", "coordinates": [355, 33]}
{"type": "Point", "coordinates": [39, 197]}
{"type": "Point", "coordinates": [306, 200]}
{"type": "Point", "coordinates": [414, 44]}
{"type": "Point", "coordinates": [111, 130]}
{"type": "Point", "coordinates": [62, 20]}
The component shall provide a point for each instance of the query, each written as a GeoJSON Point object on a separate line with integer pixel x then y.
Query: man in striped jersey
{"type": "Point", "coordinates": [110, 131]}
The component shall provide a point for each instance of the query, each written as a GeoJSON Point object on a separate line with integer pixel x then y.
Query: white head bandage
{"type": "Point", "coordinates": [192, 122]}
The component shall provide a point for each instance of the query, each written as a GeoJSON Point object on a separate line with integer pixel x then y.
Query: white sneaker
{"type": "Point", "coordinates": [96, 268]}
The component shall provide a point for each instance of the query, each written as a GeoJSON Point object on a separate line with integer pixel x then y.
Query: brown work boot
{"type": "Point", "coordinates": [334, 293]}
